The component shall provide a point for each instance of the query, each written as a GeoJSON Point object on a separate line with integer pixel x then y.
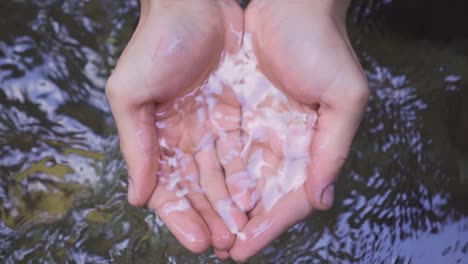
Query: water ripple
{"type": "Point", "coordinates": [400, 199]}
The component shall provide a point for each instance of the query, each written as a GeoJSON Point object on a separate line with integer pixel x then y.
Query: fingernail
{"type": "Point", "coordinates": [328, 196]}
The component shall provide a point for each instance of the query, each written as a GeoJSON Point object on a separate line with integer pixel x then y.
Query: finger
{"type": "Point", "coordinates": [331, 142]}
{"type": "Point", "coordinates": [138, 143]}
{"type": "Point", "coordinates": [225, 120]}
{"type": "Point", "coordinates": [221, 237]}
{"type": "Point", "coordinates": [240, 185]}
{"type": "Point", "coordinates": [222, 254]}
{"type": "Point", "coordinates": [267, 226]}
{"type": "Point", "coordinates": [264, 166]}
{"type": "Point", "coordinates": [213, 182]}
{"type": "Point", "coordinates": [176, 212]}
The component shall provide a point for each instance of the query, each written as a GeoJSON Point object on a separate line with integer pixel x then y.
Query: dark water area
{"type": "Point", "coordinates": [402, 196]}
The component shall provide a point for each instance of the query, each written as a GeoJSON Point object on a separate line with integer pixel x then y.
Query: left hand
{"type": "Point", "coordinates": [172, 157]}
{"type": "Point", "coordinates": [303, 48]}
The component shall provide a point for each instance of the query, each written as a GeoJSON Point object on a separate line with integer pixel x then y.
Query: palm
{"type": "Point", "coordinates": [170, 56]}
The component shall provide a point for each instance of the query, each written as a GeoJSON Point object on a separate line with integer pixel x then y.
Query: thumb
{"type": "Point", "coordinates": [331, 142]}
{"type": "Point", "coordinates": [138, 143]}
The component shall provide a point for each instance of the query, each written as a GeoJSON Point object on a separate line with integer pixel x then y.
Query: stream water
{"type": "Point", "coordinates": [401, 198]}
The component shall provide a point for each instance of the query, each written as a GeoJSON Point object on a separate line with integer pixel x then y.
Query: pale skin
{"type": "Point", "coordinates": [302, 47]}
{"type": "Point", "coordinates": [174, 48]}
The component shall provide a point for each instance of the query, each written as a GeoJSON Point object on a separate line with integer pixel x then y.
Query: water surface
{"type": "Point", "coordinates": [400, 199]}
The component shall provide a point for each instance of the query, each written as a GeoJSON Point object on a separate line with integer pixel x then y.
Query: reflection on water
{"type": "Point", "coordinates": [400, 199]}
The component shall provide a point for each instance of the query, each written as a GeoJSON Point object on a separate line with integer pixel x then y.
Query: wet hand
{"type": "Point", "coordinates": [172, 159]}
{"type": "Point", "coordinates": [303, 48]}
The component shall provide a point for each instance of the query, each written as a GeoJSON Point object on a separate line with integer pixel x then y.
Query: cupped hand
{"type": "Point", "coordinates": [161, 100]}
{"type": "Point", "coordinates": [302, 47]}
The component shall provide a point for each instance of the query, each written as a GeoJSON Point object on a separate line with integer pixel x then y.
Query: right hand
{"type": "Point", "coordinates": [302, 47]}
{"type": "Point", "coordinates": [175, 47]}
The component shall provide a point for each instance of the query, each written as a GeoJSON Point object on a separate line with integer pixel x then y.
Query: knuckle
{"type": "Point", "coordinates": [199, 247]}
{"type": "Point", "coordinates": [137, 200]}
{"type": "Point", "coordinates": [134, 202]}
{"type": "Point", "coordinates": [341, 160]}
{"type": "Point", "coordinates": [155, 203]}
{"type": "Point", "coordinates": [118, 93]}
{"type": "Point", "coordinates": [113, 88]}
{"type": "Point", "coordinates": [361, 91]}
{"type": "Point", "coordinates": [240, 257]}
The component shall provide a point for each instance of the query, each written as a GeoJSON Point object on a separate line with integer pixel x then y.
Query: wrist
{"type": "Point", "coordinates": [336, 9]}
